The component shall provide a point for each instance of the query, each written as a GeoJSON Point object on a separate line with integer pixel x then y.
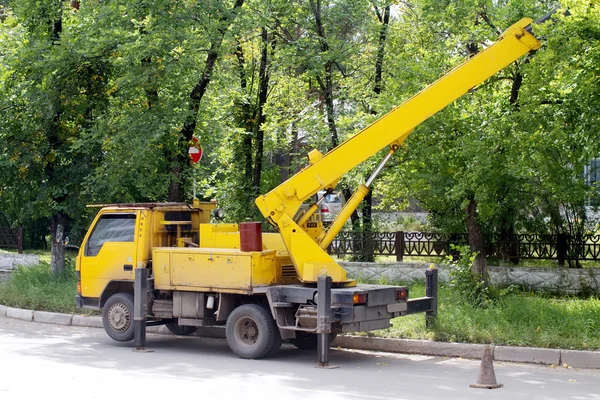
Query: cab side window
{"type": "Point", "coordinates": [110, 228]}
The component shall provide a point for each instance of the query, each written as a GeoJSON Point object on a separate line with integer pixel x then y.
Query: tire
{"type": "Point", "coordinates": [117, 317]}
{"type": "Point", "coordinates": [276, 345]}
{"type": "Point", "coordinates": [252, 332]}
{"type": "Point", "coordinates": [308, 341]}
{"type": "Point", "coordinates": [180, 330]}
{"type": "Point", "coordinates": [278, 341]}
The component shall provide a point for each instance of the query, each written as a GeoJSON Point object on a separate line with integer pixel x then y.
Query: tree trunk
{"type": "Point", "coordinates": [176, 191]}
{"type": "Point", "coordinates": [245, 119]}
{"type": "Point", "coordinates": [326, 88]}
{"type": "Point", "coordinates": [510, 248]}
{"type": "Point", "coordinates": [57, 252]}
{"type": "Point", "coordinates": [516, 86]}
{"type": "Point", "coordinates": [57, 259]}
{"type": "Point", "coordinates": [368, 249]}
{"type": "Point", "coordinates": [288, 157]}
{"type": "Point", "coordinates": [476, 242]}
{"type": "Point", "coordinates": [327, 85]}
{"type": "Point", "coordinates": [179, 159]}
{"type": "Point", "coordinates": [150, 86]}
{"type": "Point", "coordinates": [263, 86]}
{"type": "Point", "coordinates": [367, 253]}
{"type": "Point", "coordinates": [385, 22]}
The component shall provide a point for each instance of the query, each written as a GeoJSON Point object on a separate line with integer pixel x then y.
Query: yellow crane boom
{"type": "Point", "coordinates": [281, 204]}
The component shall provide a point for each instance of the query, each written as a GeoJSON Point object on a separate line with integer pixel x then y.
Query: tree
{"type": "Point", "coordinates": [51, 92]}
{"type": "Point", "coordinates": [100, 99]}
{"type": "Point", "coordinates": [471, 164]}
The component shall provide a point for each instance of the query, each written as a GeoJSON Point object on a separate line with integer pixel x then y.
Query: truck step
{"type": "Point", "coordinates": [281, 304]}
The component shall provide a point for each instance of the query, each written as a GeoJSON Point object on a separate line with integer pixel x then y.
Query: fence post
{"type": "Point", "coordinates": [399, 245]}
{"type": "Point", "coordinates": [561, 248]}
{"type": "Point", "coordinates": [20, 240]}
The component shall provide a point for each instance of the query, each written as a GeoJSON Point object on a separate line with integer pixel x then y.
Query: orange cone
{"type": "Point", "coordinates": [487, 377]}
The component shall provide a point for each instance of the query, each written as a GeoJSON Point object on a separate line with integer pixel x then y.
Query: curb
{"type": "Point", "coordinates": [531, 355]}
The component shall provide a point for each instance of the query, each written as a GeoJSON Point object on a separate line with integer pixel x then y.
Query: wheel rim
{"type": "Point", "coordinates": [246, 332]}
{"type": "Point", "coordinates": [119, 317]}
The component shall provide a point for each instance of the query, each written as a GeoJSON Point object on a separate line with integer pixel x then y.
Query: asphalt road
{"type": "Point", "coordinates": [64, 362]}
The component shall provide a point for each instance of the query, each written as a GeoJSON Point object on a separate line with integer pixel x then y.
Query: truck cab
{"type": "Point", "coordinates": [122, 236]}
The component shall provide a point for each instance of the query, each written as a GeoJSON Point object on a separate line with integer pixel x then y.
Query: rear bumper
{"type": "Point", "coordinates": [381, 306]}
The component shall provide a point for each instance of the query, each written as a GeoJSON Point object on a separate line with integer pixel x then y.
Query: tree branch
{"type": "Point", "coordinates": [487, 20]}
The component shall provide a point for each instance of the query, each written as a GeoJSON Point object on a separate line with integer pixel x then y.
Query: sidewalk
{"type": "Point", "coordinates": [552, 357]}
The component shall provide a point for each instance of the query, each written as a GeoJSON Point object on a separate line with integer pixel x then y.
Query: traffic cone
{"type": "Point", "coordinates": [487, 377]}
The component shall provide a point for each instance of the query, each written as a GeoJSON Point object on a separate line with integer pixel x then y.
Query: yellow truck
{"type": "Point", "coordinates": [265, 288]}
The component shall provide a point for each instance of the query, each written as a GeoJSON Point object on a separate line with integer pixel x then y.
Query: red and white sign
{"type": "Point", "coordinates": [195, 150]}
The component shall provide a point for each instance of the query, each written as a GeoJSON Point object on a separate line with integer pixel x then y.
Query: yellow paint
{"type": "Point", "coordinates": [216, 268]}
{"type": "Point", "coordinates": [343, 216]}
{"type": "Point", "coordinates": [308, 214]}
{"type": "Point", "coordinates": [308, 258]}
{"type": "Point", "coordinates": [220, 236]}
{"type": "Point", "coordinates": [227, 236]}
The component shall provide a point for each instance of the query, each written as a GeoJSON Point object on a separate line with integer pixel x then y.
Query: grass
{"type": "Point", "coordinates": [516, 319]}
{"type": "Point", "coordinates": [37, 288]}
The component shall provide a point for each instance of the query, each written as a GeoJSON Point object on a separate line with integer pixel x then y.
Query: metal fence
{"type": "Point", "coordinates": [428, 244]}
{"type": "Point", "coordinates": [12, 238]}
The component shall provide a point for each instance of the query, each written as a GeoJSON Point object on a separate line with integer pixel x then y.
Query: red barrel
{"type": "Point", "coordinates": [250, 236]}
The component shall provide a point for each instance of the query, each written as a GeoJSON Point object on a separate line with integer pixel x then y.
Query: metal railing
{"type": "Point", "coordinates": [12, 238]}
{"type": "Point", "coordinates": [429, 244]}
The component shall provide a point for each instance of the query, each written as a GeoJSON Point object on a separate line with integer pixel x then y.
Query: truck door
{"type": "Point", "coordinates": [109, 252]}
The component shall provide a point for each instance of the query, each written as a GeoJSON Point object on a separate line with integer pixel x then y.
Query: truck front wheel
{"type": "Point", "coordinates": [252, 332]}
{"type": "Point", "coordinates": [117, 317]}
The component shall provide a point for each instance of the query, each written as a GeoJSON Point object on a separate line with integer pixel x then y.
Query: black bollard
{"type": "Point", "coordinates": [431, 290]}
{"type": "Point", "coordinates": [323, 320]}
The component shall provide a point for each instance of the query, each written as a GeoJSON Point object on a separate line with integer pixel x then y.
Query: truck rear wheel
{"type": "Point", "coordinates": [252, 332]}
{"type": "Point", "coordinates": [180, 330]}
{"type": "Point", "coordinates": [117, 317]}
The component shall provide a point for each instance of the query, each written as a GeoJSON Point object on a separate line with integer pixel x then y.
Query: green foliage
{"type": "Point", "coordinates": [94, 114]}
{"type": "Point", "coordinates": [469, 286]}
